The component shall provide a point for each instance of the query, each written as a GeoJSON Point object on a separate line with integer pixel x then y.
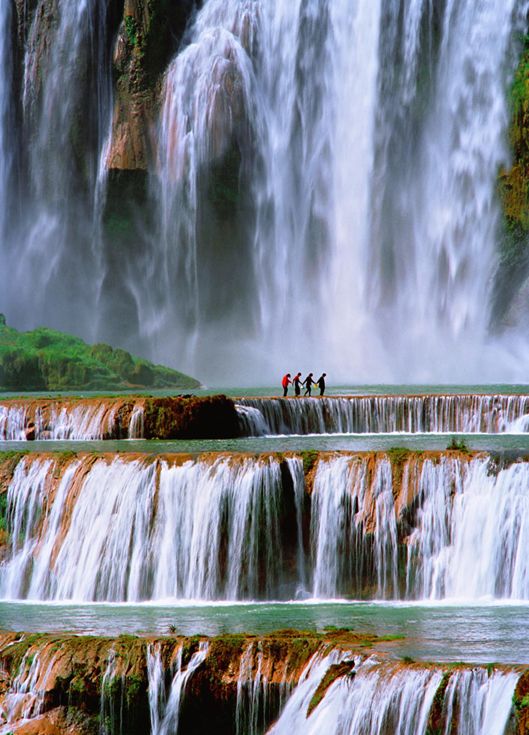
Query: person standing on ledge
{"type": "Point", "coordinates": [308, 383]}
{"type": "Point", "coordinates": [297, 384]}
{"type": "Point", "coordinates": [285, 383]}
{"type": "Point", "coordinates": [321, 383]}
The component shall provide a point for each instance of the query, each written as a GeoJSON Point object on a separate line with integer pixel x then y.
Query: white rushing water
{"type": "Point", "coordinates": [25, 697]}
{"type": "Point", "coordinates": [472, 533]}
{"type": "Point", "coordinates": [337, 161]}
{"type": "Point", "coordinates": [165, 705]}
{"type": "Point", "coordinates": [466, 413]}
{"type": "Point", "coordinates": [261, 416]}
{"type": "Point", "coordinates": [59, 421]}
{"type": "Point", "coordinates": [200, 530]}
{"type": "Point", "coordinates": [473, 703]}
{"type": "Point", "coordinates": [50, 266]}
{"type": "Point", "coordinates": [377, 133]}
{"type": "Point", "coordinates": [6, 142]}
{"type": "Point", "coordinates": [248, 528]}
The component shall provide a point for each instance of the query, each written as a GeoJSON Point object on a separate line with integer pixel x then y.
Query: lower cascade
{"type": "Point", "coordinates": [400, 525]}
{"type": "Point", "coordinates": [305, 684]}
{"type": "Point", "coordinates": [372, 699]}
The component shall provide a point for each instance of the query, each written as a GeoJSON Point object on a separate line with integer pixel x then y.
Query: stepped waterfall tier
{"type": "Point", "coordinates": [311, 683]}
{"type": "Point", "coordinates": [338, 161]}
{"type": "Point", "coordinates": [405, 526]}
{"type": "Point", "coordinates": [203, 417]}
{"type": "Point", "coordinates": [129, 417]}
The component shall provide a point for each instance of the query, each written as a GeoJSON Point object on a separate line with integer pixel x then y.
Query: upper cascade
{"type": "Point", "coordinates": [337, 160]}
{"type": "Point", "coordinates": [221, 417]}
{"type": "Point", "coordinates": [141, 417]}
{"type": "Point", "coordinates": [386, 414]}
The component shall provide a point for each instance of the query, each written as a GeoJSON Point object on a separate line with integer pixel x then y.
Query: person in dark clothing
{"type": "Point", "coordinates": [308, 383]}
{"type": "Point", "coordinates": [321, 383]}
{"type": "Point", "coordinates": [285, 383]}
{"type": "Point", "coordinates": [297, 384]}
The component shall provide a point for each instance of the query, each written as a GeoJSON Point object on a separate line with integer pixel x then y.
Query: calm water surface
{"type": "Point", "coordinates": [502, 444]}
{"type": "Point", "coordinates": [476, 634]}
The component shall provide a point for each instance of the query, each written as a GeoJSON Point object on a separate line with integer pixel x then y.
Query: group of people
{"type": "Point", "coordinates": [308, 383]}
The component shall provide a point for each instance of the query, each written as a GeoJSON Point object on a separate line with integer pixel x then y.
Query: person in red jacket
{"type": "Point", "coordinates": [285, 383]}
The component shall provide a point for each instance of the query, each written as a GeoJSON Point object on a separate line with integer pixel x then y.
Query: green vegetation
{"type": "Point", "coordinates": [310, 457]}
{"type": "Point", "coordinates": [336, 671]}
{"type": "Point", "coordinates": [45, 359]}
{"type": "Point", "coordinates": [514, 190]}
{"type": "Point", "coordinates": [398, 455]}
{"type": "Point", "coordinates": [458, 445]}
{"type": "Point", "coordinates": [133, 688]}
{"type": "Point", "coordinates": [520, 703]}
{"type": "Point", "coordinates": [519, 90]}
{"type": "Point", "coordinates": [131, 29]}
{"type": "Point", "coordinates": [3, 513]}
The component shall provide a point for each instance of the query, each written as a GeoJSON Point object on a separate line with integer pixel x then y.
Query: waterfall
{"type": "Point", "coordinates": [77, 420]}
{"type": "Point", "coordinates": [165, 710]}
{"type": "Point", "coordinates": [208, 101]}
{"type": "Point", "coordinates": [52, 260]}
{"type": "Point", "coordinates": [364, 526]}
{"type": "Point", "coordinates": [252, 690]}
{"type": "Point", "coordinates": [110, 708]}
{"type": "Point", "coordinates": [347, 505]}
{"type": "Point", "coordinates": [223, 542]}
{"type": "Point", "coordinates": [237, 509]}
{"type": "Point", "coordinates": [6, 142]}
{"type": "Point", "coordinates": [119, 419]}
{"type": "Point", "coordinates": [338, 161]}
{"type": "Point", "coordinates": [385, 414]}
{"type": "Point", "coordinates": [136, 422]}
{"type": "Point", "coordinates": [434, 202]}
{"type": "Point", "coordinates": [471, 702]}
{"type": "Point", "coordinates": [377, 134]}
{"type": "Point", "coordinates": [472, 533]}
{"type": "Point", "coordinates": [25, 697]}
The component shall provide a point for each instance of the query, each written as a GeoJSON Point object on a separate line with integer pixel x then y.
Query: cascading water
{"type": "Point", "coordinates": [337, 161]}
{"type": "Point", "coordinates": [474, 702]}
{"type": "Point", "coordinates": [384, 414]}
{"type": "Point", "coordinates": [353, 529]}
{"type": "Point", "coordinates": [434, 200]}
{"type": "Point", "coordinates": [50, 257]}
{"type": "Point", "coordinates": [365, 527]}
{"type": "Point", "coordinates": [208, 101]}
{"type": "Point", "coordinates": [224, 542]}
{"type": "Point", "coordinates": [472, 532]}
{"type": "Point", "coordinates": [252, 691]}
{"type": "Point", "coordinates": [378, 131]}
{"type": "Point", "coordinates": [6, 112]}
{"type": "Point", "coordinates": [165, 707]}
{"type": "Point", "coordinates": [55, 420]}
{"type": "Point", "coordinates": [25, 698]}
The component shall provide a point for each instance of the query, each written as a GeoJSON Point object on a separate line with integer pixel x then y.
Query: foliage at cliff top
{"type": "Point", "coordinates": [45, 359]}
